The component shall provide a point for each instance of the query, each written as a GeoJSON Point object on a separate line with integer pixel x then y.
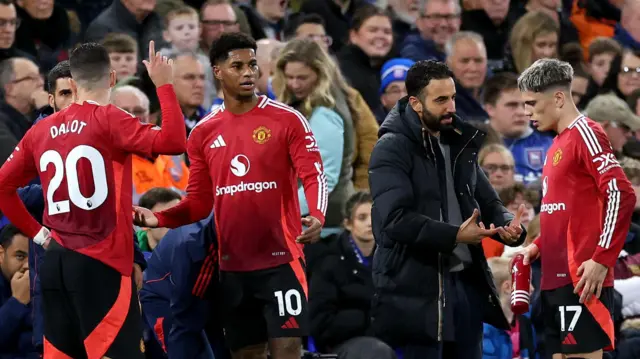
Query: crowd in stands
{"type": "Point", "coordinates": [342, 64]}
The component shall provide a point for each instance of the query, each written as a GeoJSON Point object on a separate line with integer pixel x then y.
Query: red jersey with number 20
{"type": "Point", "coordinates": [83, 157]}
{"type": "Point", "coordinates": [587, 203]}
{"type": "Point", "coordinates": [247, 167]}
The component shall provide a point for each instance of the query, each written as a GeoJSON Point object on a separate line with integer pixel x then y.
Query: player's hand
{"type": "Point", "coordinates": [143, 217]}
{"type": "Point", "coordinates": [137, 275]}
{"type": "Point", "coordinates": [312, 233]}
{"type": "Point", "coordinates": [471, 232]}
{"type": "Point", "coordinates": [511, 233]}
{"type": "Point", "coordinates": [592, 275]}
{"type": "Point", "coordinates": [530, 252]}
{"type": "Point", "coordinates": [160, 68]}
{"type": "Point", "coordinates": [20, 287]}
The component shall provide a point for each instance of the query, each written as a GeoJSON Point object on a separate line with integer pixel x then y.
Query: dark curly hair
{"type": "Point", "coordinates": [422, 72]}
{"type": "Point", "coordinates": [228, 42]}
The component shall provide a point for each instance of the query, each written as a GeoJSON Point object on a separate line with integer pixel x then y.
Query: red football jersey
{"type": "Point", "coordinates": [83, 157]}
{"type": "Point", "coordinates": [587, 203]}
{"type": "Point", "coordinates": [246, 167]}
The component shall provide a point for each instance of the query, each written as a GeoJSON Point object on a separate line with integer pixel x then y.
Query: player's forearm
{"type": "Point", "coordinates": [620, 205]}
{"type": "Point", "coordinates": [315, 190]}
{"type": "Point", "coordinates": [191, 209]}
{"type": "Point", "coordinates": [172, 139]}
{"type": "Point", "coordinates": [13, 208]}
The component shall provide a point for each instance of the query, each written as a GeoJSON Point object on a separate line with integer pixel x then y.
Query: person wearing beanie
{"type": "Point", "coordinates": [392, 76]}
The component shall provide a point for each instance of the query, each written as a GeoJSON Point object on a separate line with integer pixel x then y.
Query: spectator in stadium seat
{"type": "Point", "coordinates": [189, 78]}
{"type": "Point", "coordinates": [438, 21]}
{"type": "Point", "coordinates": [392, 88]}
{"type": "Point", "coordinates": [602, 51]}
{"type": "Point", "coordinates": [534, 36]}
{"type": "Point", "coordinates": [160, 171]}
{"type": "Point", "coordinates": [520, 341]}
{"type": "Point", "coordinates": [15, 299]}
{"type": "Point", "coordinates": [123, 54]}
{"type": "Point", "coordinates": [404, 15]}
{"type": "Point", "coordinates": [267, 18]}
{"type": "Point", "coordinates": [176, 304]}
{"type": "Point", "coordinates": [341, 290]}
{"type": "Point", "coordinates": [182, 33]}
{"type": "Point", "coordinates": [303, 80]}
{"type": "Point", "coordinates": [24, 97]}
{"type": "Point", "coordinates": [504, 103]}
{"type": "Point", "coordinates": [35, 35]}
{"type": "Point", "coordinates": [132, 17]}
{"type": "Point", "coordinates": [553, 9]}
{"type": "Point", "coordinates": [467, 58]}
{"type": "Point", "coordinates": [10, 23]}
{"type": "Point", "coordinates": [628, 29]}
{"type": "Point", "coordinates": [338, 16]}
{"type": "Point", "coordinates": [267, 55]}
{"type": "Point", "coordinates": [216, 18]}
{"type": "Point", "coordinates": [155, 199]}
{"type": "Point", "coordinates": [309, 26]}
{"type": "Point", "coordinates": [370, 45]}
{"type": "Point", "coordinates": [617, 119]}
{"type": "Point", "coordinates": [497, 162]}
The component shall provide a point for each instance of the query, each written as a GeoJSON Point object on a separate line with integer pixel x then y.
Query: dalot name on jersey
{"type": "Point", "coordinates": [74, 126]}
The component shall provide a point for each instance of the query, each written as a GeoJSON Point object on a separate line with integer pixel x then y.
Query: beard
{"type": "Point", "coordinates": [434, 123]}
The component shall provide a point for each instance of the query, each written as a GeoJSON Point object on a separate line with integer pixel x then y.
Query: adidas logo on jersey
{"type": "Point", "coordinates": [218, 142]}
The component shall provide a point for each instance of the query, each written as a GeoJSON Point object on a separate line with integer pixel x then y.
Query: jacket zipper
{"type": "Point", "coordinates": [460, 152]}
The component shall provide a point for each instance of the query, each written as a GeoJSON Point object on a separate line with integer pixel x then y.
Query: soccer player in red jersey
{"type": "Point", "coordinates": [83, 157]}
{"type": "Point", "coordinates": [586, 210]}
{"type": "Point", "coordinates": [246, 158]}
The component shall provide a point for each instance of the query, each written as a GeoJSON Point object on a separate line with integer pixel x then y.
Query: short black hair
{"type": "Point", "coordinates": [228, 42]}
{"type": "Point", "coordinates": [89, 64]}
{"type": "Point", "coordinates": [422, 72]}
{"type": "Point", "coordinates": [7, 234]}
{"type": "Point", "coordinates": [60, 71]}
{"type": "Point", "coordinates": [300, 19]}
{"type": "Point", "coordinates": [496, 85]}
{"type": "Point", "coordinates": [158, 195]}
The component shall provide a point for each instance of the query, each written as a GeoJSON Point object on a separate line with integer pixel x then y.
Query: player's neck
{"type": "Point", "coordinates": [240, 105]}
{"type": "Point", "coordinates": [567, 118]}
{"type": "Point", "coordinates": [101, 97]}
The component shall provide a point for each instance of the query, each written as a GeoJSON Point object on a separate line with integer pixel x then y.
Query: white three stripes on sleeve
{"type": "Point", "coordinates": [589, 137]}
{"type": "Point", "coordinates": [323, 188]}
{"type": "Point", "coordinates": [613, 205]}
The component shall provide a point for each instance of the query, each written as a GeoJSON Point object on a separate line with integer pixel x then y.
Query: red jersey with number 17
{"type": "Point", "coordinates": [587, 203]}
{"type": "Point", "coordinates": [83, 157]}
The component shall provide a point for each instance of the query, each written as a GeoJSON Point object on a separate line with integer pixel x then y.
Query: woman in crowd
{"type": "Point", "coordinates": [303, 79]}
{"type": "Point", "coordinates": [499, 165]}
{"type": "Point", "coordinates": [341, 287]}
{"type": "Point", "coordinates": [534, 36]}
{"type": "Point", "coordinates": [622, 79]}
{"type": "Point", "coordinates": [370, 45]}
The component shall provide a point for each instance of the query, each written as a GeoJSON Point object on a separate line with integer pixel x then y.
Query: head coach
{"type": "Point", "coordinates": [432, 207]}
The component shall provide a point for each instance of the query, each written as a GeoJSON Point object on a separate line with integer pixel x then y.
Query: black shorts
{"type": "Point", "coordinates": [263, 304]}
{"type": "Point", "coordinates": [90, 309]}
{"type": "Point", "coordinates": [574, 328]}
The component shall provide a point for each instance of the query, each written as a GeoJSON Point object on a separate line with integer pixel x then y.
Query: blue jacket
{"type": "Point", "coordinates": [15, 326]}
{"type": "Point", "coordinates": [529, 152]}
{"type": "Point", "coordinates": [171, 274]}
{"type": "Point", "coordinates": [467, 107]}
{"type": "Point", "coordinates": [496, 343]}
{"type": "Point", "coordinates": [623, 37]}
{"type": "Point", "coordinates": [416, 48]}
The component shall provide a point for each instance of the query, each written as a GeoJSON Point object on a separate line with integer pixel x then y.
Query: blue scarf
{"type": "Point", "coordinates": [359, 255]}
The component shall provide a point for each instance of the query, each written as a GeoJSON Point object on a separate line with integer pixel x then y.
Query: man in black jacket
{"type": "Point", "coordinates": [433, 288]}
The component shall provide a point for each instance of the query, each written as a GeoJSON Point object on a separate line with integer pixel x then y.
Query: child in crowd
{"type": "Point", "coordinates": [123, 53]}
{"type": "Point", "coordinates": [182, 30]}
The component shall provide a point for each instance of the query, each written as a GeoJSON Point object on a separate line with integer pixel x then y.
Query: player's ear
{"type": "Point", "coordinates": [216, 71]}
{"type": "Point", "coordinates": [52, 101]}
{"type": "Point", "coordinates": [560, 98]}
{"type": "Point", "coordinates": [113, 79]}
{"type": "Point", "coordinates": [74, 88]}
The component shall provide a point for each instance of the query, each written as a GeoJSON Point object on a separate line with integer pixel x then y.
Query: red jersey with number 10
{"type": "Point", "coordinates": [247, 167]}
{"type": "Point", "coordinates": [587, 203]}
{"type": "Point", "coordinates": [83, 157]}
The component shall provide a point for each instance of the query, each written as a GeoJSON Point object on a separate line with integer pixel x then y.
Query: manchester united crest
{"type": "Point", "coordinates": [557, 156]}
{"type": "Point", "coordinates": [261, 135]}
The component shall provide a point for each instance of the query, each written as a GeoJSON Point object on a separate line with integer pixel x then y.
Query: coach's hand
{"type": "Point", "coordinates": [143, 217]}
{"type": "Point", "coordinates": [471, 232]}
{"type": "Point", "coordinates": [20, 287]}
{"type": "Point", "coordinates": [511, 233]}
{"type": "Point", "coordinates": [160, 68]}
{"type": "Point", "coordinates": [312, 233]}
{"type": "Point", "coordinates": [592, 275]}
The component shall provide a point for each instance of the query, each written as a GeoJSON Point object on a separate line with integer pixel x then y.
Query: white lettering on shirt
{"type": "Point", "coordinates": [74, 126]}
{"type": "Point", "coordinates": [243, 187]}
{"type": "Point", "coordinates": [552, 207]}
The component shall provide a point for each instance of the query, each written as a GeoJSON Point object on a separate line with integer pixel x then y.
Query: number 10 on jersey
{"type": "Point", "coordinates": [68, 168]}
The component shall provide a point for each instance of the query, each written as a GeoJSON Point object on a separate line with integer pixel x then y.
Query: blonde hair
{"type": "Point", "coordinates": [494, 148]}
{"type": "Point", "coordinates": [308, 52]}
{"type": "Point", "coordinates": [499, 267]}
{"type": "Point", "coordinates": [533, 230]}
{"type": "Point", "coordinates": [525, 32]}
